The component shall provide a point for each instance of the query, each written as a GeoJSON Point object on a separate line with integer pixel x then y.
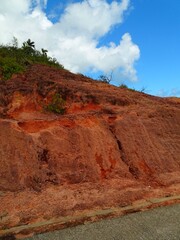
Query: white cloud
{"type": "Point", "coordinates": [92, 18]}
{"type": "Point", "coordinates": [11, 7]}
{"type": "Point", "coordinates": [74, 39]}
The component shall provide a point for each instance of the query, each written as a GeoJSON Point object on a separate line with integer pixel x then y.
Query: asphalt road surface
{"type": "Point", "coordinates": [158, 224]}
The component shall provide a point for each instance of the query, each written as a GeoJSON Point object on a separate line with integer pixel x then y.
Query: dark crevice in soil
{"type": "Point", "coordinates": [43, 156]}
{"type": "Point", "coordinates": [132, 169]}
{"type": "Point", "coordinates": [46, 173]}
{"type": "Point", "coordinates": [121, 151]}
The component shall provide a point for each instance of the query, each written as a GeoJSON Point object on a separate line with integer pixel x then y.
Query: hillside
{"type": "Point", "coordinates": [70, 144]}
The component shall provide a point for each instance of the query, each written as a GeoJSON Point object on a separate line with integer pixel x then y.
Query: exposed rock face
{"type": "Point", "coordinates": [108, 139]}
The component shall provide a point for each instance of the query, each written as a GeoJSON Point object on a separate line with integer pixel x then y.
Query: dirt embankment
{"type": "Point", "coordinates": [111, 147]}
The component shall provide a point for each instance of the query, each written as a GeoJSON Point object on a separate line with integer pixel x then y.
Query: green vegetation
{"type": "Point", "coordinates": [15, 60]}
{"type": "Point", "coordinates": [57, 104]}
{"type": "Point", "coordinates": [9, 66]}
{"type": "Point", "coordinates": [123, 86]}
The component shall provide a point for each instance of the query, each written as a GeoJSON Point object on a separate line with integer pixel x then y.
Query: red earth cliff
{"type": "Point", "coordinates": [111, 147]}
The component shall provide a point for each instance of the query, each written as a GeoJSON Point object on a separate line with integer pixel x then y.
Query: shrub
{"type": "Point", "coordinates": [123, 86]}
{"type": "Point", "coordinates": [15, 60]}
{"type": "Point", "coordinates": [9, 66]}
{"type": "Point", "coordinates": [57, 104]}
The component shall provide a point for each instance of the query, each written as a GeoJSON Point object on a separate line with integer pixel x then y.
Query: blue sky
{"type": "Point", "coordinates": [137, 40]}
{"type": "Point", "coordinates": [155, 27]}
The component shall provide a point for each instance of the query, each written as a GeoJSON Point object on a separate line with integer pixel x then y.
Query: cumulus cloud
{"type": "Point", "coordinates": [92, 18]}
{"type": "Point", "coordinates": [74, 39]}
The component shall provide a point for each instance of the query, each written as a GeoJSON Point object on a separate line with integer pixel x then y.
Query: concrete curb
{"type": "Point", "coordinates": [83, 217]}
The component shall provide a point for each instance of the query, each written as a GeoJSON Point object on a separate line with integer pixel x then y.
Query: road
{"type": "Point", "coordinates": [158, 224]}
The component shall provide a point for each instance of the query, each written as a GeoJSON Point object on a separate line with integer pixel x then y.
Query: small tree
{"type": "Point", "coordinates": [44, 52]}
{"type": "Point", "coordinates": [143, 89]}
{"type": "Point", "coordinates": [30, 43]}
{"type": "Point", "coordinates": [29, 47]}
{"type": "Point", "coordinates": [105, 78]}
{"type": "Point", "coordinates": [15, 42]}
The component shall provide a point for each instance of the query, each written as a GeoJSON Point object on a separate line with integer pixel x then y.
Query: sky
{"type": "Point", "coordinates": [135, 41]}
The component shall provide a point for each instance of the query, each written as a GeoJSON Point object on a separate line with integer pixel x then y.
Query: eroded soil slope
{"type": "Point", "coordinates": [111, 147]}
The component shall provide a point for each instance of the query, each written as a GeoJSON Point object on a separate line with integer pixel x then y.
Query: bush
{"type": "Point", "coordinates": [15, 60]}
{"type": "Point", "coordinates": [9, 66]}
{"type": "Point", "coordinates": [57, 104]}
{"type": "Point", "coordinates": [123, 86]}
